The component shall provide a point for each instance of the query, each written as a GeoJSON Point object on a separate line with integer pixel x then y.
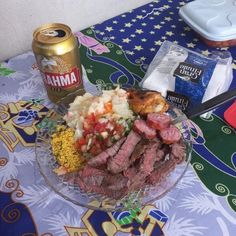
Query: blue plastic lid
{"type": "Point", "coordinates": [213, 19]}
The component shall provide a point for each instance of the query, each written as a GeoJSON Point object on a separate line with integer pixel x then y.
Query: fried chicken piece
{"type": "Point", "coordinates": [143, 102]}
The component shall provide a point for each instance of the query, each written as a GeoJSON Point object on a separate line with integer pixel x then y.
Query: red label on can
{"type": "Point", "coordinates": [65, 80]}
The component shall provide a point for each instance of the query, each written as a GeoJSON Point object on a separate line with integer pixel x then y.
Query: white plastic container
{"type": "Point", "coordinates": [213, 20]}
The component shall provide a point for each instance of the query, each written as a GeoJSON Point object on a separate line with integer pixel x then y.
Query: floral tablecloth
{"type": "Point", "coordinates": [117, 50]}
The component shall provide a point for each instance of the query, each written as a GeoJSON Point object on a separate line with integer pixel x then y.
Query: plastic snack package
{"type": "Point", "coordinates": [187, 78]}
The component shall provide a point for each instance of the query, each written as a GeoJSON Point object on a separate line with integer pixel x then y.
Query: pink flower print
{"type": "Point", "coordinates": [91, 43]}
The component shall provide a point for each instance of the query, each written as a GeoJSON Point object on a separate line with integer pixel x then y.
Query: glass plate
{"type": "Point", "coordinates": [72, 192]}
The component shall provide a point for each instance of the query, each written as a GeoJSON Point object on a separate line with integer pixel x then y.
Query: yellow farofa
{"type": "Point", "coordinates": [64, 150]}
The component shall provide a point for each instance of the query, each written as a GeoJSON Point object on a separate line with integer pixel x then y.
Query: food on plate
{"type": "Point", "coordinates": [64, 151]}
{"type": "Point", "coordinates": [178, 151]}
{"type": "Point", "coordinates": [99, 121]}
{"type": "Point", "coordinates": [143, 102]}
{"type": "Point", "coordinates": [170, 134]}
{"type": "Point", "coordinates": [141, 127]}
{"type": "Point", "coordinates": [156, 176]}
{"type": "Point", "coordinates": [102, 157]}
{"type": "Point", "coordinates": [120, 161]}
{"type": "Point", "coordinates": [124, 149]}
{"type": "Point", "coordinates": [136, 161]}
{"type": "Point", "coordinates": [158, 121]}
{"type": "Point", "coordinates": [91, 179]}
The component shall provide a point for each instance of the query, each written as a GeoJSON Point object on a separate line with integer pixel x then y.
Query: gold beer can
{"type": "Point", "coordinates": [57, 55]}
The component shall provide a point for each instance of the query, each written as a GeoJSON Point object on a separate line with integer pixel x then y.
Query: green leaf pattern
{"type": "Point", "coordinates": [5, 71]}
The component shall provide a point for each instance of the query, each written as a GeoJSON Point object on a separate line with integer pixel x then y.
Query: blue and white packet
{"type": "Point", "coordinates": [187, 78]}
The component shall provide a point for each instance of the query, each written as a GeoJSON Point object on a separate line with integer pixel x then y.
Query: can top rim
{"type": "Point", "coordinates": [37, 34]}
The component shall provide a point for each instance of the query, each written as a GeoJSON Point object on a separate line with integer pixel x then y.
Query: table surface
{"type": "Point", "coordinates": [117, 50]}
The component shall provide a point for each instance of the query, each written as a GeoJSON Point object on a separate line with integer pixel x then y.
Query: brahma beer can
{"type": "Point", "coordinates": [57, 55]}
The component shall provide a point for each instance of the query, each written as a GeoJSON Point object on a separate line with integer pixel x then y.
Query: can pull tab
{"type": "Point", "coordinates": [50, 33]}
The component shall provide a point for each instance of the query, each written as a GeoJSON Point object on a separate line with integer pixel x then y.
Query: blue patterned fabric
{"type": "Point", "coordinates": [203, 203]}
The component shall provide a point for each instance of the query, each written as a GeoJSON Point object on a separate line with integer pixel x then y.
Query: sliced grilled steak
{"type": "Point", "coordinates": [138, 181]}
{"type": "Point", "coordinates": [115, 148]}
{"type": "Point", "coordinates": [170, 135]}
{"type": "Point", "coordinates": [91, 176]}
{"type": "Point", "coordinates": [102, 158]}
{"type": "Point", "coordinates": [115, 194]}
{"type": "Point", "coordinates": [137, 175]}
{"type": "Point", "coordinates": [158, 174]}
{"type": "Point", "coordinates": [178, 152]}
{"type": "Point", "coordinates": [131, 172]}
{"type": "Point", "coordinates": [158, 121]}
{"type": "Point", "coordinates": [120, 161]}
{"type": "Point", "coordinates": [141, 127]}
{"type": "Point", "coordinates": [139, 150]}
{"type": "Point", "coordinates": [88, 171]}
{"type": "Point", "coordinates": [94, 180]}
{"type": "Point", "coordinates": [149, 157]}
{"type": "Point", "coordinates": [115, 182]}
{"type": "Point", "coordinates": [160, 155]}
{"type": "Point", "coordinates": [162, 152]}
{"type": "Point", "coordinates": [99, 160]}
